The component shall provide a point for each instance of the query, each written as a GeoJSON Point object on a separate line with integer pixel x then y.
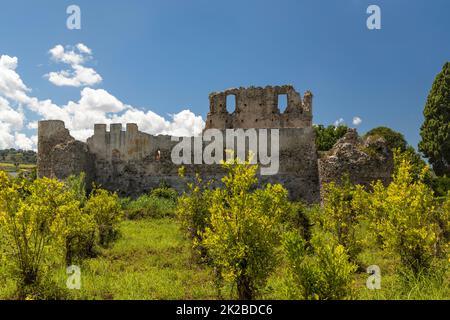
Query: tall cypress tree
{"type": "Point", "coordinates": [435, 130]}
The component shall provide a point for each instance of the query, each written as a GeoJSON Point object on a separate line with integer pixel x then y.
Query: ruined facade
{"type": "Point", "coordinates": [258, 107]}
{"type": "Point", "coordinates": [132, 162]}
{"type": "Point", "coordinates": [361, 160]}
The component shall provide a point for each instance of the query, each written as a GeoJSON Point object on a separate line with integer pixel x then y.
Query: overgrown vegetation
{"type": "Point", "coordinates": [435, 130]}
{"type": "Point", "coordinates": [235, 241]}
{"type": "Point", "coordinates": [326, 137]}
{"type": "Point", "coordinates": [45, 225]}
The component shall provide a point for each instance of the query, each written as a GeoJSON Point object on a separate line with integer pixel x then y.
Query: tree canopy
{"type": "Point", "coordinates": [435, 130]}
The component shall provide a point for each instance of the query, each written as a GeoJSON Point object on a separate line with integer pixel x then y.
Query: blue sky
{"type": "Point", "coordinates": [167, 56]}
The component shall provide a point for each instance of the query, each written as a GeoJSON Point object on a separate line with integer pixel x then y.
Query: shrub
{"type": "Point", "coordinates": [322, 271]}
{"type": "Point", "coordinates": [243, 233]}
{"type": "Point", "coordinates": [406, 217]}
{"type": "Point", "coordinates": [34, 225]}
{"type": "Point", "coordinates": [76, 184]}
{"type": "Point", "coordinates": [193, 211]}
{"type": "Point", "coordinates": [165, 193]}
{"type": "Point", "coordinates": [341, 214]}
{"type": "Point", "coordinates": [394, 139]}
{"type": "Point", "coordinates": [441, 185]}
{"type": "Point", "coordinates": [107, 213]}
{"type": "Point", "coordinates": [326, 137]}
{"type": "Point", "coordinates": [149, 207]}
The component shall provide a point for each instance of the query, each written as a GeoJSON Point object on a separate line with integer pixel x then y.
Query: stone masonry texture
{"type": "Point", "coordinates": [131, 162]}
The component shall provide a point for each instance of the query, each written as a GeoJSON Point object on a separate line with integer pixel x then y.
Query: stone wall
{"type": "Point", "coordinates": [132, 162]}
{"type": "Point", "coordinates": [362, 160]}
{"type": "Point", "coordinates": [257, 107]}
{"type": "Point", "coordinates": [60, 155]}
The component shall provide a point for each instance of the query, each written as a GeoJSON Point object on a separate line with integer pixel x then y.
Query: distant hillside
{"type": "Point", "coordinates": [18, 156]}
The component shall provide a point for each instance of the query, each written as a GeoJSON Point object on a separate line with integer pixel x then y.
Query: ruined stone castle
{"type": "Point", "coordinates": [132, 162]}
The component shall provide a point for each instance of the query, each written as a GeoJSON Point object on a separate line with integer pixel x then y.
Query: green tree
{"type": "Point", "coordinates": [326, 137]}
{"type": "Point", "coordinates": [435, 130]}
{"type": "Point", "coordinates": [406, 217]}
{"type": "Point", "coordinates": [244, 234]}
{"type": "Point", "coordinates": [394, 139]}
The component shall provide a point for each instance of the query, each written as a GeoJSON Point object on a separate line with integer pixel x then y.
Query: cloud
{"type": "Point", "coordinates": [11, 85]}
{"type": "Point", "coordinates": [21, 141]}
{"type": "Point", "coordinates": [11, 121]}
{"type": "Point", "coordinates": [78, 75]}
{"type": "Point", "coordinates": [93, 106]}
{"type": "Point", "coordinates": [357, 121]}
{"type": "Point", "coordinates": [339, 122]}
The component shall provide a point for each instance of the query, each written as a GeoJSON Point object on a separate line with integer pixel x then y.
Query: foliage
{"type": "Point", "coordinates": [322, 271]}
{"type": "Point", "coordinates": [193, 210]}
{"type": "Point", "coordinates": [243, 234]}
{"type": "Point", "coordinates": [404, 214]}
{"type": "Point", "coordinates": [166, 192]}
{"type": "Point", "coordinates": [440, 185]}
{"type": "Point", "coordinates": [435, 130]}
{"type": "Point", "coordinates": [18, 156]}
{"type": "Point", "coordinates": [326, 137]}
{"type": "Point", "coordinates": [107, 213]}
{"type": "Point", "coordinates": [394, 139]}
{"type": "Point", "coordinates": [77, 184]}
{"type": "Point", "coordinates": [341, 214]}
{"type": "Point", "coordinates": [32, 218]}
{"type": "Point", "coordinates": [149, 207]}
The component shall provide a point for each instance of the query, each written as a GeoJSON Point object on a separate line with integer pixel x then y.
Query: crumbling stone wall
{"type": "Point", "coordinates": [132, 162]}
{"type": "Point", "coordinates": [362, 160]}
{"type": "Point", "coordinates": [60, 155]}
{"type": "Point", "coordinates": [257, 107]}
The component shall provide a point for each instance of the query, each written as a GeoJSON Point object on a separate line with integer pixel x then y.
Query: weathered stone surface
{"type": "Point", "coordinates": [363, 160]}
{"type": "Point", "coordinates": [132, 162]}
{"type": "Point", "coordinates": [257, 107]}
{"type": "Point", "coordinates": [60, 155]}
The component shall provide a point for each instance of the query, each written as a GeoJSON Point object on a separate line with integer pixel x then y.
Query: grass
{"type": "Point", "coordinates": [10, 167]}
{"type": "Point", "coordinates": [151, 260]}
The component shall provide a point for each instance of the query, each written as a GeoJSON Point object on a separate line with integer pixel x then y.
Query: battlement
{"type": "Point", "coordinates": [258, 107]}
{"type": "Point", "coordinates": [117, 144]}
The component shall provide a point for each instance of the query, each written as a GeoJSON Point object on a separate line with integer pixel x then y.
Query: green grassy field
{"type": "Point", "coordinates": [152, 259]}
{"type": "Point", "coordinates": [10, 167]}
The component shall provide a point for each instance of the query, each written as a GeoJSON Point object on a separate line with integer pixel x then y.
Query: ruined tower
{"type": "Point", "coordinates": [133, 162]}
{"type": "Point", "coordinates": [257, 107]}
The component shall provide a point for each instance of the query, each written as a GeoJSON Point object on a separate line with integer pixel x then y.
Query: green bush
{"type": "Point", "coordinates": [193, 210]}
{"type": "Point", "coordinates": [104, 207]}
{"type": "Point", "coordinates": [341, 214]}
{"type": "Point", "coordinates": [326, 137]}
{"type": "Point", "coordinates": [149, 207]}
{"type": "Point", "coordinates": [243, 234]}
{"type": "Point", "coordinates": [32, 220]}
{"type": "Point", "coordinates": [321, 271]}
{"type": "Point", "coordinates": [441, 185]}
{"type": "Point", "coordinates": [407, 218]}
{"type": "Point", "coordinates": [165, 193]}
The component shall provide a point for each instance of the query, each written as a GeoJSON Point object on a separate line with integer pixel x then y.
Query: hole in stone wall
{"type": "Point", "coordinates": [231, 103]}
{"type": "Point", "coordinates": [158, 155]}
{"type": "Point", "coordinates": [282, 102]}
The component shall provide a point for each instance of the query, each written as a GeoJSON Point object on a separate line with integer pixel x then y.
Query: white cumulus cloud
{"type": "Point", "coordinates": [93, 106]}
{"type": "Point", "coordinates": [339, 122]}
{"type": "Point", "coordinates": [357, 121]}
{"type": "Point", "coordinates": [78, 75]}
